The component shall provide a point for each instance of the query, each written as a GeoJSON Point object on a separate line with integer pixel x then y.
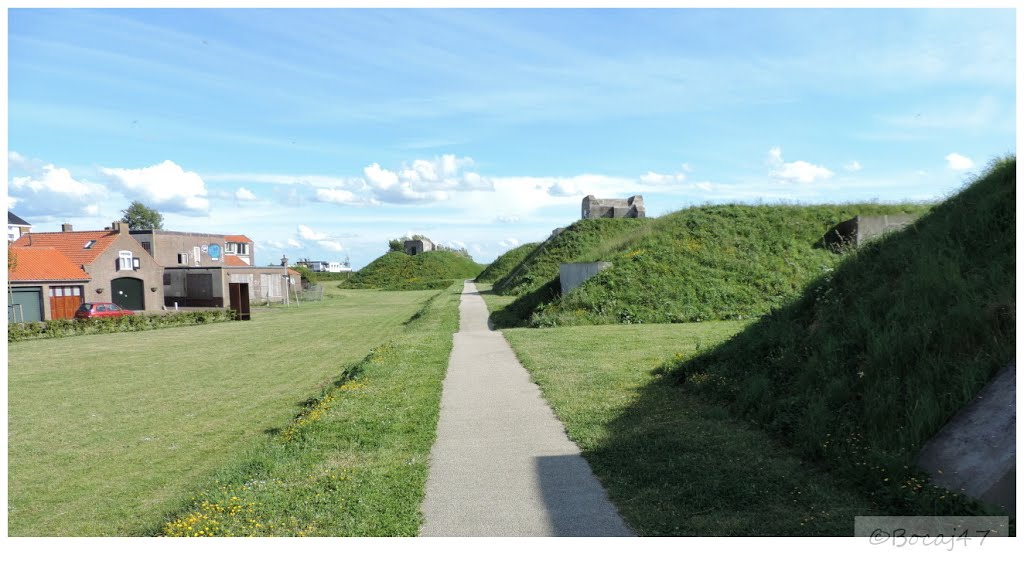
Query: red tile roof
{"type": "Point", "coordinates": [232, 260]}
{"type": "Point", "coordinates": [237, 239]}
{"type": "Point", "coordinates": [43, 263]}
{"type": "Point", "coordinates": [71, 244]}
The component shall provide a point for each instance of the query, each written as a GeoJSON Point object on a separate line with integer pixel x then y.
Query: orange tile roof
{"type": "Point", "coordinates": [232, 260]}
{"type": "Point", "coordinates": [237, 239]}
{"type": "Point", "coordinates": [71, 244]}
{"type": "Point", "coordinates": [43, 263]}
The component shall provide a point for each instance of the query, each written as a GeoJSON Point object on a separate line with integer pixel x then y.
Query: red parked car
{"type": "Point", "coordinates": [101, 310]}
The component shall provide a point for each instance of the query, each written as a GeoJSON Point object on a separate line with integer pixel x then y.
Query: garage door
{"type": "Point", "coordinates": [26, 304]}
{"type": "Point", "coordinates": [64, 300]}
{"type": "Point", "coordinates": [127, 293]}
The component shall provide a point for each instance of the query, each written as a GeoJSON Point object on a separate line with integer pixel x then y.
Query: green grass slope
{"type": "Point", "coordinates": [505, 263]}
{"type": "Point", "coordinates": [875, 356]}
{"type": "Point", "coordinates": [428, 271]}
{"type": "Point", "coordinates": [709, 263]}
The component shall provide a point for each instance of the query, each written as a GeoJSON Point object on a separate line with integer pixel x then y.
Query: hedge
{"type": "Point", "coordinates": [67, 328]}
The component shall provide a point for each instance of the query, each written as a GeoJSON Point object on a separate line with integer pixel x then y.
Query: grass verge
{"type": "Point", "coordinates": [354, 462]}
{"type": "Point", "coordinates": [673, 463]}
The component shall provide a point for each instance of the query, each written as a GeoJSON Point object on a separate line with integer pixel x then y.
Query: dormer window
{"type": "Point", "coordinates": [88, 244]}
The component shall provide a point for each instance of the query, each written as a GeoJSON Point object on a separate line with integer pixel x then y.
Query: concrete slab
{"type": "Point", "coordinates": [502, 464]}
{"type": "Point", "coordinates": [976, 451]}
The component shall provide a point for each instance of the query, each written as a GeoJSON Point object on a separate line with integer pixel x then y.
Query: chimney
{"type": "Point", "coordinates": [284, 261]}
{"type": "Point", "coordinates": [66, 228]}
{"type": "Point", "coordinates": [119, 227]}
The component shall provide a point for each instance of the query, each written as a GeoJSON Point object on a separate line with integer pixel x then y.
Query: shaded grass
{"type": "Point", "coordinates": [108, 433]}
{"type": "Point", "coordinates": [506, 262]}
{"type": "Point", "coordinates": [354, 463]}
{"type": "Point", "coordinates": [673, 463]}
{"type": "Point", "coordinates": [876, 356]}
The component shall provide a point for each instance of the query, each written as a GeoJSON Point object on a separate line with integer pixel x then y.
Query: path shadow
{"type": "Point", "coordinates": [575, 501]}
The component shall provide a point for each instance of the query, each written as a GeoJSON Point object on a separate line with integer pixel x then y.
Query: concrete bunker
{"type": "Point", "coordinates": [594, 208]}
{"type": "Point", "coordinates": [418, 246]}
{"type": "Point", "coordinates": [862, 228]}
{"type": "Point", "coordinates": [573, 274]}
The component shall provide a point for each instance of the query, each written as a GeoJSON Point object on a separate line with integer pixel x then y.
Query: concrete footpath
{"type": "Point", "coordinates": [502, 464]}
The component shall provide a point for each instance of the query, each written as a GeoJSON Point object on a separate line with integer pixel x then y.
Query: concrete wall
{"type": "Point", "coordinates": [863, 228]}
{"type": "Point", "coordinates": [104, 269]}
{"type": "Point", "coordinates": [571, 275]}
{"type": "Point", "coordinates": [976, 451]}
{"type": "Point", "coordinates": [593, 208]}
{"type": "Point", "coordinates": [418, 247]}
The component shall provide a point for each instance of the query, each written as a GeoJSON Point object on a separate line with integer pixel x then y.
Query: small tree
{"type": "Point", "coordinates": [396, 245]}
{"type": "Point", "coordinates": [138, 216]}
{"type": "Point", "coordinates": [308, 275]}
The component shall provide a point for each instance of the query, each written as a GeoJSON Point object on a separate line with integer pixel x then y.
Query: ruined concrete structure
{"type": "Point", "coordinates": [860, 229]}
{"type": "Point", "coordinates": [418, 246]}
{"type": "Point", "coordinates": [614, 208]}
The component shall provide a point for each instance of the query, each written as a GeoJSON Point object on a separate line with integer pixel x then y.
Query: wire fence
{"type": "Point", "coordinates": [314, 293]}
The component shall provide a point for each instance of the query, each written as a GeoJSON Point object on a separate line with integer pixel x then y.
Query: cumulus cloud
{"type": "Point", "coordinates": [51, 190]}
{"type": "Point", "coordinates": [341, 196]}
{"type": "Point", "coordinates": [853, 166]}
{"type": "Point", "coordinates": [165, 186]}
{"type": "Point", "coordinates": [244, 195]}
{"type": "Point", "coordinates": [959, 162]}
{"type": "Point", "coordinates": [509, 243]}
{"type": "Point", "coordinates": [290, 243]}
{"type": "Point", "coordinates": [425, 180]}
{"type": "Point", "coordinates": [795, 172]}
{"type": "Point", "coordinates": [311, 235]}
{"type": "Point", "coordinates": [329, 242]}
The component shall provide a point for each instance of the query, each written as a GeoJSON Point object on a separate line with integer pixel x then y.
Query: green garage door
{"type": "Point", "coordinates": [128, 293]}
{"type": "Point", "coordinates": [25, 304]}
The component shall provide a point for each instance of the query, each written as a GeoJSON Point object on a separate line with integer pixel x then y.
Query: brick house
{"type": "Point", "coordinates": [119, 269]}
{"type": "Point", "coordinates": [43, 285]}
{"type": "Point", "coordinates": [199, 267]}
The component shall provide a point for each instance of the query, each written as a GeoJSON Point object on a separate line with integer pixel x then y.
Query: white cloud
{"type": "Point", "coordinates": [342, 196]}
{"type": "Point", "coordinates": [244, 195]}
{"type": "Point", "coordinates": [509, 243]}
{"type": "Point", "coordinates": [292, 243]}
{"type": "Point", "coordinates": [853, 166]}
{"type": "Point", "coordinates": [331, 245]}
{"type": "Point", "coordinates": [425, 180]}
{"type": "Point", "coordinates": [795, 172]}
{"type": "Point", "coordinates": [380, 178]}
{"type": "Point", "coordinates": [50, 190]}
{"type": "Point", "coordinates": [507, 218]}
{"type": "Point", "coordinates": [164, 186]}
{"type": "Point", "coordinates": [311, 235]}
{"type": "Point", "coordinates": [959, 162]}
{"type": "Point", "coordinates": [564, 188]}
{"type": "Point", "coordinates": [652, 178]}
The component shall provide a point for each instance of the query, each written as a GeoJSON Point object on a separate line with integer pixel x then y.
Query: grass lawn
{"type": "Point", "coordinates": [109, 434]}
{"type": "Point", "coordinates": [355, 462]}
{"type": "Point", "coordinates": [672, 463]}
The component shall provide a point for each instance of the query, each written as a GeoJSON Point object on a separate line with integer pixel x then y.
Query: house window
{"type": "Point", "coordinates": [182, 258]}
{"type": "Point", "coordinates": [124, 260]}
{"type": "Point", "coordinates": [148, 247]}
{"type": "Point", "coordinates": [88, 244]}
{"type": "Point", "coordinates": [243, 248]}
{"type": "Point", "coordinates": [230, 248]}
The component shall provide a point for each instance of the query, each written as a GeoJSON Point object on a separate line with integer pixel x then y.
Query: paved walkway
{"type": "Point", "coordinates": [502, 464]}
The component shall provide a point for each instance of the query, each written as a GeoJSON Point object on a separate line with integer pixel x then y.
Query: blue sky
{"type": "Point", "coordinates": [323, 133]}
